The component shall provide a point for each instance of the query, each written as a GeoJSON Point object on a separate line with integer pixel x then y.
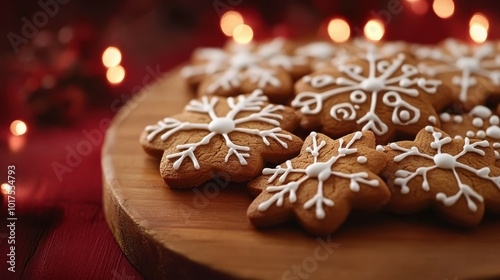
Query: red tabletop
{"type": "Point", "coordinates": [60, 231]}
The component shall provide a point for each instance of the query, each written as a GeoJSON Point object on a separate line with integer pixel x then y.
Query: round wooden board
{"type": "Point", "coordinates": [204, 232]}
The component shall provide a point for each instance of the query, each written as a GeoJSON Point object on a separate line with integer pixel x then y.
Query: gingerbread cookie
{"type": "Point", "coordinates": [235, 136]}
{"type": "Point", "coordinates": [383, 95]}
{"type": "Point", "coordinates": [322, 54]}
{"type": "Point", "coordinates": [243, 68]}
{"type": "Point", "coordinates": [472, 72]}
{"type": "Point", "coordinates": [361, 46]}
{"type": "Point", "coordinates": [457, 177]}
{"type": "Point", "coordinates": [322, 184]}
{"type": "Point", "coordinates": [479, 123]}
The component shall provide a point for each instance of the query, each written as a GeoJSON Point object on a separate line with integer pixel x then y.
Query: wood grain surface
{"type": "Point", "coordinates": [204, 232]}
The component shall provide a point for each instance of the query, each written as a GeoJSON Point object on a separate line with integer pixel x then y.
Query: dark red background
{"type": "Point", "coordinates": [61, 232]}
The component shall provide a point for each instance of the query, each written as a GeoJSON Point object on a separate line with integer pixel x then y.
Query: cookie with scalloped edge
{"type": "Point", "coordinates": [233, 136]}
{"type": "Point", "coordinates": [456, 177]}
{"type": "Point", "coordinates": [387, 96]}
{"type": "Point", "coordinates": [321, 186]}
{"type": "Point", "coordinates": [471, 71]}
{"type": "Point", "coordinates": [480, 123]}
{"type": "Point", "coordinates": [240, 68]}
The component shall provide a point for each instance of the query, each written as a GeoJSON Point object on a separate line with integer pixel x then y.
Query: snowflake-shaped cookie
{"type": "Point", "coordinates": [234, 135]}
{"type": "Point", "coordinates": [456, 176]}
{"type": "Point", "coordinates": [322, 184]}
{"type": "Point", "coordinates": [371, 94]}
{"type": "Point", "coordinates": [472, 72]}
{"type": "Point", "coordinates": [479, 123]}
{"type": "Point", "coordinates": [243, 68]}
{"type": "Point", "coordinates": [322, 54]}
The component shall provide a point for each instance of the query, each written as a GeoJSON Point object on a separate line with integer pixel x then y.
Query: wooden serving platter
{"type": "Point", "coordinates": [203, 233]}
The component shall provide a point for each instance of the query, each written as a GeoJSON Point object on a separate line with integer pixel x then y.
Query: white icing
{"type": "Point", "coordinates": [320, 171]}
{"type": "Point", "coordinates": [228, 69]}
{"type": "Point", "coordinates": [458, 119]}
{"type": "Point", "coordinates": [465, 62]}
{"type": "Point", "coordinates": [480, 111]}
{"type": "Point", "coordinates": [494, 120]}
{"type": "Point", "coordinates": [493, 132]}
{"type": "Point", "coordinates": [389, 83]}
{"type": "Point", "coordinates": [317, 50]}
{"type": "Point", "coordinates": [243, 60]}
{"type": "Point", "coordinates": [445, 117]}
{"type": "Point", "coordinates": [362, 159]}
{"type": "Point", "coordinates": [223, 126]}
{"type": "Point", "coordinates": [477, 122]}
{"type": "Point", "coordinates": [432, 120]}
{"type": "Point", "coordinates": [448, 162]}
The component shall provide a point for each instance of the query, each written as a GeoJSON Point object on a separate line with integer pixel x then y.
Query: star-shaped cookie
{"type": "Point", "coordinates": [456, 177]}
{"type": "Point", "coordinates": [242, 68]}
{"type": "Point", "coordinates": [322, 184]}
{"type": "Point", "coordinates": [234, 135]}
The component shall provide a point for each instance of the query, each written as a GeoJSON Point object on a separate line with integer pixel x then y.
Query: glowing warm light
{"type": "Point", "coordinates": [16, 143]}
{"type": "Point", "coordinates": [229, 21]}
{"type": "Point", "coordinates": [443, 8]}
{"type": "Point", "coordinates": [478, 33]}
{"type": "Point", "coordinates": [243, 34]}
{"type": "Point", "coordinates": [111, 57]}
{"type": "Point", "coordinates": [5, 188]}
{"type": "Point", "coordinates": [480, 19]}
{"type": "Point", "coordinates": [339, 30]}
{"type": "Point", "coordinates": [18, 128]}
{"type": "Point", "coordinates": [374, 30]}
{"type": "Point", "coordinates": [116, 74]}
{"type": "Point", "coordinates": [419, 7]}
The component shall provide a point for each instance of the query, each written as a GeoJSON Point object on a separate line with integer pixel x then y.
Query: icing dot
{"type": "Point", "coordinates": [221, 125]}
{"type": "Point", "coordinates": [496, 145]}
{"type": "Point", "coordinates": [470, 134]}
{"type": "Point", "coordinates": [494, 120]}
{"type": "Point", "coordinates": [497, 154]}
{"type": "Point", "coordinates": [362, 159]}
{"type": "Point", "coordinates": [480, 111]}
{"type": "Point", "coordinates": [380, 148]}
{"type": "Point", "coordinates": [477, 122]}
{"type": "Point", "coordinates": [470, 63]}
{"type": "Point", "coordinates": [444, 161]}
{"type": "Point", "coordinates": [445, 117]}
{"type": "Point", "coordinates": [432, 119]}
{"type": "Point", "coordinates": [243, 59]}
{"type": "Point", "coordinates": [320, 170]}
{"type": "Point", "coordinates": [481, 134]}
{"type": "Point", "coordinates": [493, 132]}
{"type": "Point", "coordinates": [458, 119]}
{"type": "Point", "coordinates": [404, 115]}
{"type": "Point", "coordinates": [372, 84]}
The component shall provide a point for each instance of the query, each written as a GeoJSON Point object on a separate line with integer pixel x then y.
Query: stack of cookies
{"type": "Point", "coordinates": [318, 129]}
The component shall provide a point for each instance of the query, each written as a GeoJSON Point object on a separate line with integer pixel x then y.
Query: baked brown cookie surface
{"type": "Point", "coordinates": [322, 184]}
{"type": "Point", "coordinates": [457, 177]}
{"type": "Point", "coordinates": [480, 123]}
{"type": "Point", "coordinates": [471, 71]}
{"type": "Point", "coordinates": [387, 96]}
{"type": "Point", "coordinates": [239, 69]}
{"type": "Point", "coordinates": [216, 135]}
